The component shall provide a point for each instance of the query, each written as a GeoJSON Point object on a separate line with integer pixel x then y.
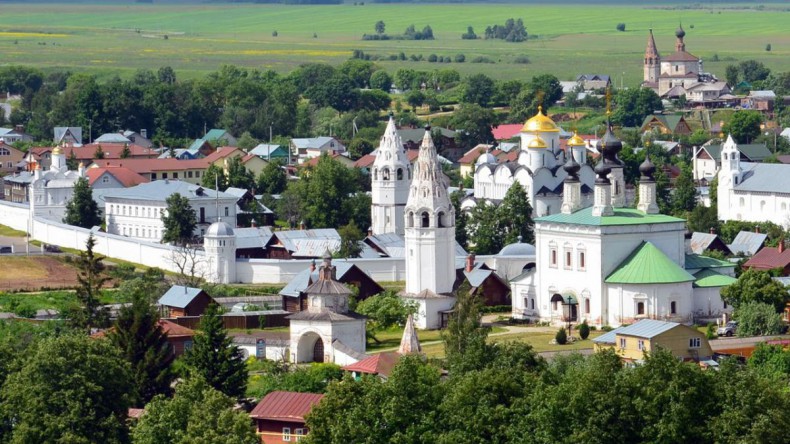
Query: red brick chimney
{"type": "Point", "coordinates": [757, 229]}
{"type": "Point", "coordinates": [781, 246]}
{"type": "Point", "coordinates": [470, 262]}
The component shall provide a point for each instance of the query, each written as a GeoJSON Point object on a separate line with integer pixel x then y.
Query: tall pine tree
{"type": "Point", "coordinates": [215, 358]}
{"type": "Point", "coordinates": [89, 313]}
{"type": "Point", "coordinates": [82, 210]}
{"type": "Point", "coordinates": [144, 344]}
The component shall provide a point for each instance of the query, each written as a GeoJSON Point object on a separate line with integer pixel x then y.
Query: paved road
{"type": "Point", "coordinates": [19, 245]}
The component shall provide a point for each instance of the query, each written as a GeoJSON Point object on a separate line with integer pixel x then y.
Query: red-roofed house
{"type": "Point", "coordinates": [113, 177]}
{"type": "Point", "coordinates": [769, 258]}
{"type": "Point", "coordinates": [279, 417]}
{"type": "Point", "coordinates": [179, 337]}
{"type": "Point", "coordinates": [507, 131]}
{"type": "Point", "coordinates": [347, 162]}
{"type": "Point", "coordinates": [188, 170]}
{"type": "Point", "coordinates": [224, 154]}
{"type": "Point", "coordinates": [85, 154]}
{"type": "Point", "coordinates": [379, 364]}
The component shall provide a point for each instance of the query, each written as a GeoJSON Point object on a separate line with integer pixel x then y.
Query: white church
{"type": "Point", "coordinates": [612, 265]}
{"type": "Point", "coordinates": [537, 169]}
{"type": "Point", "coordinates": [752, 191]}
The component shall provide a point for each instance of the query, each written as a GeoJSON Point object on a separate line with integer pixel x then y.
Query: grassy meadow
{"type": "Point", "coordinates": [196, 38]}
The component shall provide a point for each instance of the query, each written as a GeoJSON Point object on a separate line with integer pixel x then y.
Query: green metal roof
{"type": "Point", "coordinates": [670, 121]}
{"type": "Point", "coordinates": [694, 261]}
{"type": "Point", "coordinates": [622, 216]}
{"type": "Point", "coordinates": [756, 152]}
{"type": "Point", "coordinates": [648, 265]}
{"type": "Point", "coordinates": [709, 278]}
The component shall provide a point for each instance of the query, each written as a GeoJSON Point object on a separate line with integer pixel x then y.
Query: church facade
{"type": "Point", "coordinates": [537, 169]}
{"type": "Point", "coordinates": [612, 265]}
{"type": "Point", "coordinates": [676, 74]}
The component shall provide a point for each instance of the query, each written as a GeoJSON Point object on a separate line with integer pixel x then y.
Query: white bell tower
{"type": "Point", "coordinates": [390, 178]}
{"type": "Point", "coordinates": [731, 160]}
{"type": "Point", "coordinates": [430, 226]}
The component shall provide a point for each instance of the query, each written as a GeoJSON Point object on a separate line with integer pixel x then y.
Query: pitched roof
{"type": "Point", "coordinates": [159, 190]}
{"type": "Point", "coordinates": [285, 406]}
{"type": "Point", "coordinates": [648, 265]}
{"type": "Point", "coordinates": [179, 296]}
{"type": "Point", "coordinates": [680, 56]}
{"type": "Point", "coordinates": [622, 216]}
{"type": "Point", "coordinates": [764, 178]}
{"type": "Point", "coordinates": [174, 330]}
{"type": "Point", "coordinates": [702, 241]}
{"type": "Point", "coordinates": [125, 176]}
{"type": "Point", "coordinates": [708, 278]}
{"type": "Point", "coordinates": [141, 166]}
{"type": "Point", "coordinates": [377, 364]}
{"type": "Point", "coordinates": [506, 131]}
{"type": "Point", "coordinates": [112, 138]}
{"type": "Point", "coordinates": [610, 337]}
{"type": "Point", "coordinates": [647, 328]}
{"type": "Point", "coordinates": [409, 342]}
{"type": "Point", "coordinates": [747, 242]}
{"type": "Point", "coordinates": [768, 258]}
{"type": "Point", "coordinates": [670, 121]}
{"type": "Point", "coordinates": [223, 152]}
{"type": "Point", "coordinates": [755, 152]}
{"type": "Point", "coordinates": [316, 142]}
{"type": "Point", "coordinates": [267, 150]}
{"type": "Point", "coordinates": [696, 261]}
{"type": "Point", "coordinates": [416, 134]}
{"type": "Point", "coordinates": [216, 134]}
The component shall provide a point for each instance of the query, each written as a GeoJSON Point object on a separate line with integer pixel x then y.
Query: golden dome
{"type": "Point", "coordinates": [57, 151]}
{"type": "Point", "coordinates": [537, 143]}
{"type": "Point", "coordinates": [540, 123]}
{"type": "Point", "coordinates": [576, 140]}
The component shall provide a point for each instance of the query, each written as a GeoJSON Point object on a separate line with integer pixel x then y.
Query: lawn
{"type": "Point", "coordinates": [566, 39]}
{"type": "Point", "coordinates": [8, 231]}
{"type": "Point", "coordinates": [25, 303]}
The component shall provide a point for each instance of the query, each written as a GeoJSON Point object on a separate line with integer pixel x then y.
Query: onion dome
{"type": "Point", "coordinates": [647, 169]}
{"type": "Point", "coordinates": [572, 168]}
{"type": "Point", "coordinates": [537, 143]}
{"type": "Point", "coordinates": [576, 140]}
{"type": "Point", "coordinates": [680, 33]}
{"type": "Point", "coordinates": [602, 170]}
{"type": "Point", "coordinates": [485, 158]}
{"type": "Point", "coordinates": [609, 146]}
{"type": "Point", "coordinates": [540, 123]}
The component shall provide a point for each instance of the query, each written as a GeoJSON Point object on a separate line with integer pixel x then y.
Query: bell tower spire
{"type": "Point", "coordinates": [652, 60]}
{"type": "Point", "coordinates": [390, 178]}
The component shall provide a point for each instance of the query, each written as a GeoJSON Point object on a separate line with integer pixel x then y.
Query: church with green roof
{"type": "Point", "coordinates": [612, 265]}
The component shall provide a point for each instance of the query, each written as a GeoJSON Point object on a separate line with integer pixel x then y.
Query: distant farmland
{"type": "Point", "coordinates": [194, 39]}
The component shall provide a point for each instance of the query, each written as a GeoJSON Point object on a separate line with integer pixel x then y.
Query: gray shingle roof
{"type": "Point", "coordinates": [765, 178]}
{"type": "Point", "coordinates": [179, 296]}
{"type": "Point", "coordinates": [305, 278]}
{"type": "Point", "coordinates": [159, 190]}
{"type": "Point", "coordinates": [747, 242]}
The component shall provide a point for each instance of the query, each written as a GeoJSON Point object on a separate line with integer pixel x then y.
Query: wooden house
{"type": "Point", "coordinates": [279, 417]}
{"type": "Point", "coordinates": [666, 124]}
{"type": "Point", "coordinates": [295, 298]}
{"type": "Point", "coordinates": [184, 301]}
{"type": "Point", "coordinates": [632, 342]}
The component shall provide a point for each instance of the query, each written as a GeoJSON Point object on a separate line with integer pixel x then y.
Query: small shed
{"type": "Point", "coordinates": [184, 301]}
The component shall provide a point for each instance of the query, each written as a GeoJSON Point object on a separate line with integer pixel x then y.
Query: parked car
{"type": "Point", "coordinates": [728, 329]}
{"type": "Point", "coordinates": [51, 248]}
{"type": "Point", "coordinates": [6, 249]}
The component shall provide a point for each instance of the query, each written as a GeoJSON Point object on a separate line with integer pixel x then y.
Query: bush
{"type": "Point", "coordinates": [274, 34]}
{"type": "Point", "coordinates": [584, 330]}
{"type": "Point", "coordinates": [607, 328]}
{"type": "Point", "coordinates": [432, 58]}
{"type": "Point", "coordinates": [521, 60]}
{"type": "Point", "coordinates": [482, 59]}
{"type": "Point", "coordinates": [621, 27]}
{"type": "Point", "coordinates": [710, 332]}
{"type": "Point", "coordinates": [491, 308]}
{"type": "Point", "coordinates": [768, 47]}
{"type": "Point", "coordinates": [561, 337]}
{"type": "Point", "coordinates": [460, 58]}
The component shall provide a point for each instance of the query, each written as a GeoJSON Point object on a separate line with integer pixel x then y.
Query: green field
{"type": "Point", "coordinates": [569, 39]}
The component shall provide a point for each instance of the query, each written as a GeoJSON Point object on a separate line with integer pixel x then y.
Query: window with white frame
{"type": "Point", "coordinates": [581, 263]}
{"type": "Point", "coordinates": [568, 258]}
{"type": "Point", "coordinates": [299, 434]}
{"type": "Point", "coordinates": [695, 342]}
{"type": "Point", "coordinates": [622, 342]}
{"type": "Point", "coordinates": [286, 433]}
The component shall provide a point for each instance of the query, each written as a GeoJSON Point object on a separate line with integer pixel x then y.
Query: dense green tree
{"type": "Point", "coordinates": [770, 360]}
{"type": "Point", "coordinates": [337, 91]}
{"type": "Point", "coordinates": [744, 126]}
{"type": "Point", "coordinates": [756, 286]}
{"type": "Point", "coordinates": [359, 71]}
{"type": "Point", "coordinates": [214, 178]}
{"type": "Point", "coordinates": [486, 234]}
{"type": "Point", "coordinates": [464, 338]}
{"type": "Point", "coordinates": [72, 163]}
{"type": "Point", "coordinates": [546, 89]}
{"type": "Point", "coordinates": [753, 71]}
{"type": "Point", "coordinates": [359, 147]}
{"type": "Point", "coordinates": [238, 175]}
{"type": "Point", "coordinates": [478, 89]}
{"type": "Point", "coordinates": [274, 375]}
{"type": "Point", "coordinates": [356, 208]}
{"type": "Point", "coordinates": [91, 277]}
{"type": "Point", "coordinates": [634, 104]}
{"type": "Point", "coordinates": [143, 343]}
{"type": "Point", "coordinates": [99, 153]}
{"type": "Point", "coordinates": [70, 389]}
{"type": "Point", "coordinates": [373, 100]}
{"type": "Point", "coordinates": [214, 357]}
{"type": "Point", "coordinates": [381, 80]}
{"type": "Point", "coordinates": [82, 210]}
{"type": "Point", "coordinates": [197, 413]}
{"type": "Point", "coordinates": [179, 220]}
{"type": "Point", "coordinates": [461, 220]}
{"type": "Point", "coordinates": [757, 319]}
{"type": "Point", "coordinates": [732, 75]}
{"type": "Point", "coordinates": [473, 125]}
{"type": "Point", "coordinates": [515, 214]}
{"type": "Point", "coordinates": [247, 142]}
{"type": "Point", "coordinates": [380, 27]}
{"type": "Point", "coordinates": [383, 311]}
{"type": "Point", "coordinates": [702, 219]}
{"type": "Point", "coordinates": [415, 98]}
{"type": "Point", "coordinates": [684, 196]}
{"type": "Point", "coordinates": [272, 179]}
{"type": "Point", "coordinates": [323, 191]}
{"type": "Point", "coordinates": [350, 238]}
